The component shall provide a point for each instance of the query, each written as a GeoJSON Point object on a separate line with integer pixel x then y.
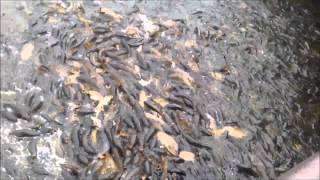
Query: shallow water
{"type": "Point", "coordinates": [271, 88]}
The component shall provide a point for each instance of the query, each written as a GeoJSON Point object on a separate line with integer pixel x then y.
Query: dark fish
{"type": "Point", "coordinates": [137, 123]}
{"type": "Point", "coordinates": [137, 158]}
{"type": "Point", "coordinates": [153, 106]}
{"type": "Point", "coordinates": [205, 131]}
{"type": "Point", "coordinates": [132, 140]}
{"type": "Point", "coordinates": [128, 121]}
{"type": "Point", "coordinates": [68, 151]}
{"type": "Point", "coordinates": [125, 44]}
{"type": "Point", "coordinates": [66, 91]}
{"type": "Point", "coordinates": [9, 116]}
{"type": "Point", "coordinates": [20, 111]}
{"type": "Point", "coordinates": [147, 167]}
{"type": "Point", "coordinates": [142, 63]}
{"type": "Point", "coordinates": [32, 147]}
{"type": "Point", "coordinates": [46, 130]}
{"type": "Point", "coordinates": [118, 143]}
{"type": "Point", "coordinates": [124, 67]}
{"type": "Point", "coordinates": [168, 129]}
{"type": "Point", "coordinates": [135, 42]}
{"type": "Point", "coordinates": [43, 69]}
{"type": "Point", "coordinates": [84, 110]}
{"type": "Point", "coordinates": [36, 104]}
{"type": "Point", "coordinates": [113, 55]}
{"type": "Point", "coordinates": [25, 133]}
{"type": "Point", "coordinates": [149, 133]}
{"type": "Point", "coordinates": [159, 150]}
{"type": "Point", "coordinates": [196, 119]}
{"type": "Point", "coordinates": [174, 107]}
{"type": "Point", "coordinates": [85, 142]}
{"type": "Point", "coordinates": [9, 166]}
{"type": "Point", "coordinates": [184, 96]}
{"type": "Point", "coordinates": [219, 118]}
{"type": "Point", "coordinates": [38, 169]}
{"type": "Point", "coordinates": [140, 138]}
{"type": "Point", "coordinates": [195, 142]}
{"type": "Point", "coordinates": [140, 114]}
{"type": "Point", "coordinates": [131, 173]}
{"type": "Point", "coordinates": [117, 158]}
{"type": "Point", "coordinates": [167, 118]}
{"type": "Point", "coordinates": [127, 160]}
{"type": "Point", "coordinates": [75, 136]}
{"type": "Point", "coordinates": [108, 176]}
{"type": "Point", "coordinates": [175, 99]}
{"type": "Point", "coordinates": [76, 42]}
{"type": "Point", "coordinates": [68, 175]}
{"type": "Point", "coordinates": [133, 9]}
{"type": "Point", "coordinates": [65, 138]}
{"type": "Point", "coordinates": [153, 143]}
{"type": "Point", "coordinates": [104, 141]}
{"type": "Point", "coordinates": [151, 154]}
{"type": "Point", "coordinates": [73, 168]}
{"type": "Point", "coordinates": [176, 170]}
{"type": "Point", "coordinates": [101, 29]}
{"type": "Point", "coordinates": [196, 131]}
{"type": "Point", "coordinates": [84, 79]}
{"type": "Point", "coordinates": [83, 159]}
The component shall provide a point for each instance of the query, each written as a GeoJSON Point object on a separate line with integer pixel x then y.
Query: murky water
{"type": "Point", "coordinates": [269, 56]}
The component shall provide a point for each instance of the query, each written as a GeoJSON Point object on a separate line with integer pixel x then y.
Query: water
{"type": "Point", "coordinates": [270, 51]}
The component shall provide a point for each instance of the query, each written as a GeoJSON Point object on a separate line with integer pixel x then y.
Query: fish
{"type": "Point", "coordinates": [72, 168]}
{"type": "Point", "coordinates": [132, 140]}
{"type": "Point", "coordinates": [147, 167]}
{"type": "Point", "coordinates": [153, 106]}
{"type": "Point", "coordinates": [149, 134]}
{"type": "Point", "coordinates": [135, 42]}
{"type": "Point", "coordinates": [125, 44]}
{"type": "Point", "coordinates": [36, 104]}
{"type": "Point", "coordinates": [32, 147]}
{"type": "Point", "coordinates": [20, 111]}
{"type": "Point", "coordinates": [100, 29]}
{"type": "Point", "coordinates": [85, 142]}
{"type": "Point", "coordinates": [137, 158]}
{"type": "Point", "coordinates": [10, 116]}
{"type": "Point", "coordinates": [108, 176]}
{"type": "Point", "coordinates": [76, 42]}
{"type": "Point", "coordinates": [38, 169]}
{"type": "Point", "coordinates": [68, 175]}
{"type": "Point", "coordinates": [159, 150]}
{"type": "Point", "coordinates": [128, 121]}
{"type": "Point", "coordinates": [151, 154]}
{"type": "Point", "coordinates": [75, 136]}
{"type": "Point", "coordinates": [175, 107]}
{"type": "Point", "coordinates": [117, 158]}
{"type": "Point", "coordinates": [140, 138]}
{"type": "Point", "coordinates": [84, 79]}
{"type": "Point", "coordinates": [84, 110]}
{"type": "Point", "coordinates": [25, 133]}
{"type": "Point", "coordinates": [132, 172]}
{"type": "Point", "coordinates": [195, 142]}
{"type": "Point", "coordinates": [127, 160]}
{"type": "Point", "coordinates": [137, 123]}
{"type": "Point", "coordinates": [65, 138]}
{"type": "Point", "coordinates": [153, 143]}
{"type": "Point", "coordinates": [83, 159]}
{"type": "Point", "coordinates": [118, 143]}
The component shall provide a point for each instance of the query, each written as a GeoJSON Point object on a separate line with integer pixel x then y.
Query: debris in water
{"type": "Point", "coordinates": [169, 142]}
{"type": "Point", "coordinates": [26, 51]}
